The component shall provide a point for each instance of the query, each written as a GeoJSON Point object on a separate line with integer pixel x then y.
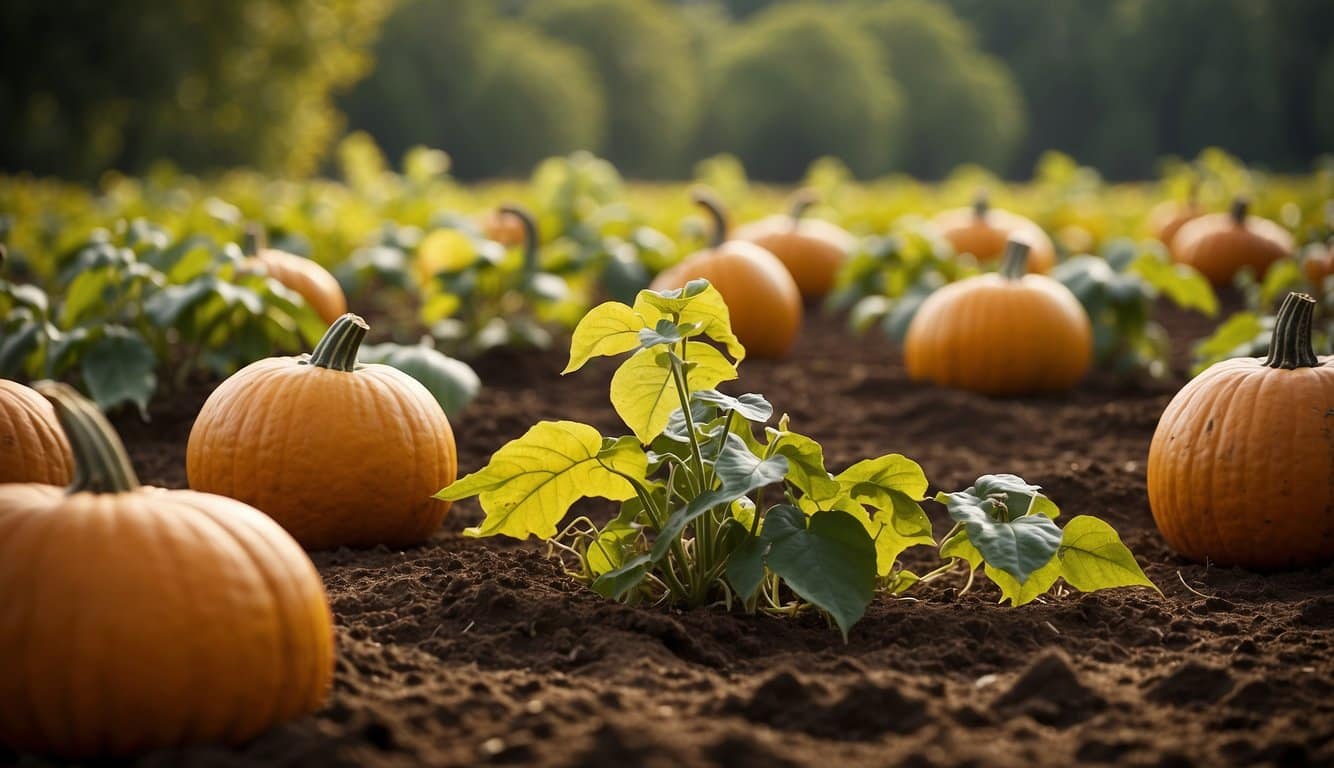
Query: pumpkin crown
{"type": "Point", "coordinates": [1014, 262]}
{"type": "Point", "coordinates": [100, 462]}
{"type": "Point", "coordinates": [717, 214]}
{"type": "Point", "coordinates": [1290, 346]}
{"type": "Point", "coordinates": [981, 204]}
{"type": "Point", "coordinates": [1241, 205]}
{"type": "Point", "coordinates": [338, 348]}
{"type": "Point", "coordinates": [529, 225]}
{"type": "Point", "coordinates": [802, 202]}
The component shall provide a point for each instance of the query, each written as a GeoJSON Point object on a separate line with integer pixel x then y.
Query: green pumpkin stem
{"type": "Point", "coordinates": [338, 348]}
{"type": "Point", "coordinates": [100, 462]}
{"type": "Point", "coordinates": [254, 240]}
{"type": "Point", "coordinates": [981, 204]}
{"type": "Point", "coordinates": [1241, 205]}
{"type": "Point", "coordinates": [802, 202]}
{"type": "Point", "coordinates": [530, 242]}
{"type": "Point", "coordinates": [1014, 262]}
{"type": "Point", "coordinates": [1290, 346]}
{"type": "Point", "coordinates": [717, 214]}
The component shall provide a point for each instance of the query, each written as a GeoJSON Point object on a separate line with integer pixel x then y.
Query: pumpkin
{"type": "Point", "coordinates": [1001, 334]}
{"type": "Point", "coordinates": [1318, 263]}
{"type": "Point", "coordinates": [813, 250]}
{"type": "Point", "coordinates": [32, 447]}
{"type": "Point", "coordinates": [761, 295]}
{"type": "Point", "coordinates": [1220, 245]}
{"type": "Point", "coordinates": [452, 382]}
{"type": "Point", "coordinates": [1241, 466]}
{"type": "Point", "coordinates": [1168, 217]}
{"type": "Point", "coordinates": [984, 231]}
{"type": "Point", "coordinates": [314, 283]}
{"type": "Point", "coordinates": [138, 618]}
{"type": "Point", "coordinates": [339, 454]}
{"type": "Point", "coordinates": [499, 225]}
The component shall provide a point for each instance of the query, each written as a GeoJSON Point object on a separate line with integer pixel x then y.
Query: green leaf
{"type": "Point", "coordinates": [805, 462]}
{"type": "Point", "coordinates": [994, 514]}
{"type": "Point", "coordinates": [608, 329]}
{"type": "Point", "coordinates": [749, 406]}
{"type": "Point", "coordinates": [620, 582]}
{"type": "Point", "coordinates": [745, 568]}
{"type": "Point", "coordinates": [453, 383]}
{"type": "Point", "coordinates": [118, 368]}
{"type": "Point", "coordinates": [609, 550]}
{"type": "Point", "coordinates": [16, 346]}
{"type": "Point", "coordinates": [895, 529]}
{"type": "Point", "coordinates": [88, 290]}
{"type": "Point", "coordinates": [829, 562]}
{"type": "Point", "coordinates": [698, 304]}
{"type": "Point", "coordinates": [1037, 584]}
{"type": "Point", "coordinates": [958, 546]}
{"type": "Point", "coordinates": [664, 333]}
{"type": "Point", "coordinates": [1242, 335]}
{"type": "Point", "coordinates": [168, 304]}
{"type": "Point", "coordinates": [1092, 557]}
{"type": "Point", "coordinates": [873, 479]}
{"type": "Point", "coordinates": [530, 483]}
{"type": "Point", "coordinates": [1186, 287]}
{"type": "Point", "coordinates": [643, 391]}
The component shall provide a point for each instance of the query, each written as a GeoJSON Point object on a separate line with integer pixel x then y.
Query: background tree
{"type": "Point", "coordinates": [795, 83]}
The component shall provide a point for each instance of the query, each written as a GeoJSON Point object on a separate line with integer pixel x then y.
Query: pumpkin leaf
{"type": "Point", "coordinates": [805, 461]}
{"type": "Point", "coordinates": [665, 332]}
{"type": "Point", "coordinates": [873, 480]}
{"type": "Point", "coordinates": [745, 568]}
{"type": "Point", "coordinates": [828, 559]}
{"type": "Point", "coordinates": [1092, 557]}
{"type": "Point", "coordinates": [994, 513]}
{"type": "Point", "coordinates": [530, 483]}
{"type": "Point", "coordinates": [643, 391]}
{"type": "Point", "coordinates": [749, 406]}
{"type": "Point", "coordinates": [1185, 286]}
{"type": "Point", "coordinates": [608, 329]}
{"type": "Point", "coordinates": [698, 304]}
{"type": "Point", "coordinates": [118, 367]}
{"type": "Point", "coordinates": [620, 582]}
{"type": "Point", "coordinates": [1037, 584]}
{"type": "Point", "coordinates": [958, 546]}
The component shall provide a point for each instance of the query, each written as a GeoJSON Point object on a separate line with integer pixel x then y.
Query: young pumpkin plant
{"type": "Point", "coordinates": [710, 510]}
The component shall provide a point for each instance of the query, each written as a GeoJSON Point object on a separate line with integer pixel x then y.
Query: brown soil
{"type": "Point", "coordinates": [466, 652]}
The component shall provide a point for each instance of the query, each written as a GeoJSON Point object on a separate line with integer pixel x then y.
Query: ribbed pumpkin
{"type": "Point", "coordinates": [1220, 245]}
{"type": "Point", "coordinates": [340, 454]}
{"type": "Point", "coordinates": [1001, 334]}
{"type": "Point", "coordinates": [762, 298]}
{"type": "Point", "coordinates": [813, 250]}
{"type": "Point", "coordinates": [314, 283]}
{"type": "Point", "coordinates": [137, 618]}
{"type": "Point", "coordinates": [1241, 466]}
{"type": "Point", "coordinates": [983, 231]}
{"type": "Point", "coordinates": [32, 447]}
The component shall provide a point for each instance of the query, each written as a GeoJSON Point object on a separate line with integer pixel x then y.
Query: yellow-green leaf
{"type": "Point", "coordinates": [644, 393]}
{"type": "Point", "coordinates": [960, 547]}
{"type": "Point", "coordinates": [530, 483]}
{"type": "Point", "coordinates": [706, 308]}
{"type": "Point", "coordinates": [1093, 557]}
{"type": "Point", "coordinates": [1038, 583]}
{"type": "Point", "coordinates": [892, 534]}
{"type": "Point", "coordinates": [445, 250]}
{"type": "Point", "coordinates": [873, 479]}
{"type": "Point", "coordinates": [608, 329]}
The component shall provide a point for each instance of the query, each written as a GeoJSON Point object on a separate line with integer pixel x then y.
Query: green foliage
{"type": "Point", "coordinates": [1006, 526]}
{"type": "Point", "coordinates": [796, 83]}
{"type": "Point", "coordinates": [453, 383]}
{"type": "Point", "coordinates": [207, 83]}
{"type": "Point", "coordinates": [962, 105]}
{"type": "Point", "coordinates": [641, 54]}
{"type": "Point", "coordinates": [133, 310]}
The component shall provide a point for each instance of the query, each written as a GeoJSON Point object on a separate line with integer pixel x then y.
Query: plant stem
{"type": "Point", "coordinates": [802, 201]}
{"type": "Point", "coordinates": [100, 462]}
{"type": "Point", "coordinates": [981, 204]}
{"type": "Point", "coordinates": [338, 349]}
{"type": "Point", "coordinates": [1014, 263]}
{"type": "Point", "coordinates": [1241, 204]}
{"type": "Point", "coordinates": [714, 207]}
{"type": "Point", "coordinates": [1290, 346]}
{"type": "Point", "coordinates": [529, 225]}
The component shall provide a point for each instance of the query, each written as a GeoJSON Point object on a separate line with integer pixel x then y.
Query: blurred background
{"type": "Point", "coordinates": [899, 86]}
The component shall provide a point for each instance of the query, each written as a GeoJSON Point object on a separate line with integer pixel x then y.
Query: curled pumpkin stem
{"type": "Point", "coordinates": [1241, 205]}
{"type": "Point", "coordinates": [981, 204]}
{"type": "Point", "coordinates": [1014, 263]}
{"type": "Point", "coordinates": [101, 464]}
{"type": "Point", "coordinates": [530, 243]}
{"type": "Point", "coordinates": [340, 344]}
{"type": "Point", "coordinates": [1290, 346]}
{"type": "Point", "coordinates": [802, 201]}
{"type": "Point", "coordinates": [717, 214]}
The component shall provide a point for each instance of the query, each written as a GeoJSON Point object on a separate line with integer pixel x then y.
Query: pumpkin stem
{"type": "Point", "coordinates": [1241, 204]}
{"type": "Point", "coordinates": [802, 201]}
{"type": "Point", "coordinates": [254, 240]}
{"type": "Point", "coordinates": [530, 243]}
{"type": "Point", "coordinates": [981, 204]}
{"type": "Point", "coordinates": [1014, 262]}
{"type": "Point", "coordinates": [1290, 346]}
{"type": "Point", "coordinates": [717, 214]}
{"type": "Point", "coordinates": [100, 462]}
{"type": "Point", "coordinates": [338, 348]}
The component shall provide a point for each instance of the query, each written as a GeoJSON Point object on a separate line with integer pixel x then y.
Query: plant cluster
{"type": "Point", "coordinates": [718, 504]}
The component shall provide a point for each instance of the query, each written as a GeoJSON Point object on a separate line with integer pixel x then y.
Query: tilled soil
{"type": "Point", "coordinates": [466, 652]}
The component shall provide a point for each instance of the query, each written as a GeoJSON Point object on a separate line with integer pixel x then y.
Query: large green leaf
{"type": "Point", "coordinates": [828, 559]}
{"type": "Point", "coordinates": [118, 367]}
{"type": "Point", "coordinates": [644, 393]}
{"type": "Point", "coordinates": [530, 483]}
{"type": "Point", "coordinates": [873, 479]}
{"type": "Point", "coordinates": [1092, 557]}
{"type": "Point", "coordinates": [608, 329]}
{"type": "Point", "coordinates": [745, 568]}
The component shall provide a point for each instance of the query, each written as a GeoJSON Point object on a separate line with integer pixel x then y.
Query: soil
{"type": "Point", "coordinates": [467, 652]}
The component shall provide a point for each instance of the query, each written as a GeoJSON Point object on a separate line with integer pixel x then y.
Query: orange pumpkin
{"type": "Point", "coordinates": [32, 447]}
{"type": "Point", "coordinates": [984, 231]}
{"type": "Point", "coordinates": [137, 618]}
{"type": "Point", "coordinates": [1318, 263]}
{"type": "Point", "coordinates": [1001, 334]}
{"type": "Point", "coordinates": [1220, 245]}
{"type": "Point", "coordinates": [312, 282]}
{"type": "Point", "coordinates": [813, 250]}
{"type": "Point", "coordinates": [762, 298]}
{"type": "Point", "coordinates": [340, 454]}
{"type": "Point", "coordinates": [1168, 217]}
{"type": "Point", "coordinates": [1240, 466]}
{"type": "Point", "coordinates": [502, 227]}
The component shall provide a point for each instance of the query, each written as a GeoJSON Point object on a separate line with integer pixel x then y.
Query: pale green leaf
{"type": "Point", "coordinates": [644, 393]}
{"type": "Point", "coordinates": [704, 309]}
{"type": "Point", "coordinates": [1092, 557]}
{"type": "Point", "coordinates": [805, 461]}
{"type": "Point", "coordinates": [1037, 584]}
{"type": "Point", "coordinates": [608, 329]}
